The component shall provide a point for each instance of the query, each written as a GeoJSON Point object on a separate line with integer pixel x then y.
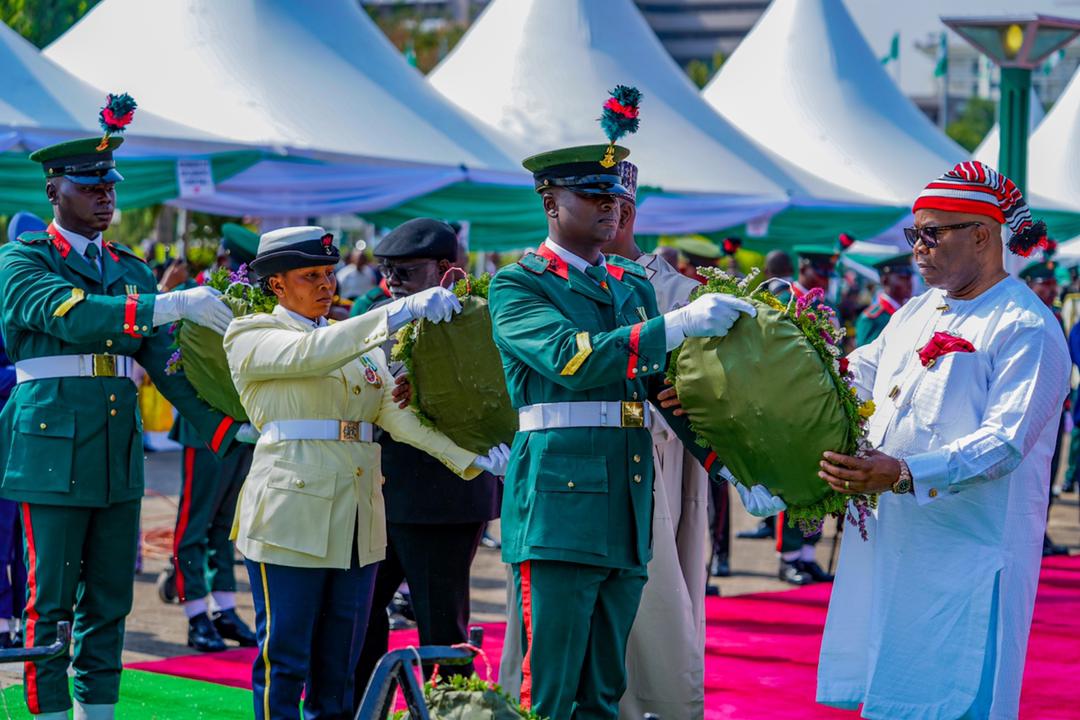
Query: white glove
{"type": "Point", "coordinates": [199, 305]}
{"type": "Point", "coordinates": [495, 462]}
{"type": "Point", "coordinates": [436, 304]}
{"type": "Point", "coordinates": [247, 433]}
{"type": "Point", "coordinates": [759, 502]}
{"type": "Point", "coordinates": [711, 315]}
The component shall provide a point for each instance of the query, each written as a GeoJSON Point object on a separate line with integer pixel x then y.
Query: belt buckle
{"type": "Point", "coordinates": [103, 365]}
{"type": "Point", "coordinates": [633, 414]}
{"type": "Point", "coordinates": [349, 431]}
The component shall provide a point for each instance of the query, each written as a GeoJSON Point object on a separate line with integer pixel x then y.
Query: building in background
{"type": "Point", "coordinates": [701, 29]}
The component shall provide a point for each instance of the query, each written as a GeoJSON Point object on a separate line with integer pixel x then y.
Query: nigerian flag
{"type": "Point", "coordinates": [942, 67]}
{"type": "Point", "coordinates": [894, 50]}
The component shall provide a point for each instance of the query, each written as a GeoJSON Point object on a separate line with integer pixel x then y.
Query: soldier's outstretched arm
{"type": "Point", "coordinates": [35, 298]}
{"type": "Point", "coordinates": [528, 328]}
{"type": "Point", "coordinates": [216, 429]}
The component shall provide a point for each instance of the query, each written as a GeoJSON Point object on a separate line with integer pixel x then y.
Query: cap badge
{"type": "Point", "coordinates": [328, 243]}
{"type": "Point", "coordinates": [609, 157]}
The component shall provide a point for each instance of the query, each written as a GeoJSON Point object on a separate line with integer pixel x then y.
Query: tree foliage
{"type": "Point", "coordinates": [423, 36]}
{"type": "Point", "coordinates": [978, 116]}
{"type": "Point", "coordinates": [42, 21]}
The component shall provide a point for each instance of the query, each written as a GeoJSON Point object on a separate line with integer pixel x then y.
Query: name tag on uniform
{"type": "Point", "coordinates": [371, 372]}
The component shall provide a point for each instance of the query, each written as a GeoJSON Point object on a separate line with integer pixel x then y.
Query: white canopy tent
{"type": "Point", "coordinates": [540, 71]}
{"type": "Point", "coordinates": [41, 103]}
{"type": "Point", "coordinates": [308, 82]}
{"type": "Point", "coordinates": [1054, 151]}
{"type": "Point", "coordinates": [805, 84]}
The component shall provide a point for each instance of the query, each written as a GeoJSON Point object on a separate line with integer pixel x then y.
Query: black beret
{"type": "Point", "coordinates": [419, 238]}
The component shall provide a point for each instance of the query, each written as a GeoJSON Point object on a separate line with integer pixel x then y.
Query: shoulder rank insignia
{"type": "Point", "coordinates": [534, 263]}
{"type": "Point", "coordinates": [35, 238]}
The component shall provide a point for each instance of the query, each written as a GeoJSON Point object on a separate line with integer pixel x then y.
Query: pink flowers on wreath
{"type": "Point", "coordinates": [240, 275]}
{"type": "Point", "coordinates": [814, 296]}
{"type": "Point", "coordinates": [173, 364]}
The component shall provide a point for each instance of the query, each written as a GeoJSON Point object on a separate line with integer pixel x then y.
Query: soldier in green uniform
{"type": "Point", "coordinates": [202, 562]}
{"type": "Point", "coordinates": [584, 349]}
{"type": "Point", "coordinates": [896, 276]}
{"type": "Point", "coordinates": [75, 312]}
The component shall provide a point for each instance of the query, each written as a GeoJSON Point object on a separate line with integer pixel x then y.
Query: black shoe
{"type": "Point", "coordinates": [793, 573]}
{"type": "Point", "coordinates": [814, 570]}
{"type": "Point", "coordinates": [763, 531]}
{"type": "Point", "coordinates": [230, 627]}
{"type": "Point", "coordinates": [202, 635]}
{"type": "Point", "coordinates": [489, 542]}
{"type": "Point", "coordinates": [402, 605]}
{"type": "Point", "coordinates": [720, 566]}
{"type": "Point", "coordinates": [711, 590]}
{"type": "Point", "coordinates": [1050, 549]}
{"type": "Point", "coordinates": [6, 641]}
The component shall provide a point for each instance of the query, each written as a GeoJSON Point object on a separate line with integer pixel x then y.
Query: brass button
{"type": "Point", "coordinates": [113, 412]}
{"type": "Point", "coordinates": [637, 458]}
{"type": "Point", "coordinates": [126, 326]}
{"type": "Point", "coordinates": [356, 390]}
{"type": "Point", "coordinates": [656, 366]}
{"type": "Point", "coordinates": [644, 367]}
{"type": "Point", "coordinates": [43, 426]}
{"type": "Point", "coordinates": [633, 370]}
{"type": "Point", "coordinates": [300, 483]}
{"type": "Point", "coordinates": [112, 398]}
{"type": "Point", "coordinates": [108, 343]}
{"type": "Point", "coordinates": [359, 472]}
{"type": "Point", "coordinates": [145, 328]}
{"type": "Point", "coordinates": [637, 478]}
{"type": "Point", "coordinates": [570, 484]}
{"type": "Point", "coordinates": [932, 493]}
{"type": "Point", "coordinates": [635, 396]}
{"type": "Point", "coordinates": [894, 392]}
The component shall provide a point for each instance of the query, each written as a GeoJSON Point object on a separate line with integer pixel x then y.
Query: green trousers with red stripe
{"type": "Point", "coordinates": [80, 566]}
{"type": "Point", "coordinates": [790, 539]}
{"type": "Point", "coordinates": [202, 552]}
{"type": "Point", "coordinates": [575, 623]}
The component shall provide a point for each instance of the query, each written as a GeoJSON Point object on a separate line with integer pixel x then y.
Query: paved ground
{"type": "Point", "coordinates": [156, 630]}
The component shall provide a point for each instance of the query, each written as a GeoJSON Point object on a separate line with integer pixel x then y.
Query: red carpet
{"type": "Point", "coordinates": [761, 653]}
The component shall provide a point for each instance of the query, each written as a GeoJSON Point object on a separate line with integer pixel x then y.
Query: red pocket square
{"type": "Point", "coordinates": [943, 344]}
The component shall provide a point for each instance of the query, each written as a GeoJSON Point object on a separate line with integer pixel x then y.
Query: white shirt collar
{"type": "Point", "coordinates": [570, 258]}
{"type": "Point", "coordinates": [308, 322]}
{"type": "Point", "coordinates": [77, 241]}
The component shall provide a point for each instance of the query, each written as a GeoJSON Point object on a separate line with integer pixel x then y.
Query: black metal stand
{"type": "Point", "coordinates": [41, 652]}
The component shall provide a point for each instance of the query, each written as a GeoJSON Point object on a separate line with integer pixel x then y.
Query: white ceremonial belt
{"type": "Point", "coordinates": [599, 413]}
{"type": "Point", "coordinates": [342, 430]}
{"type": "Point", "coordinates": [59, 366]}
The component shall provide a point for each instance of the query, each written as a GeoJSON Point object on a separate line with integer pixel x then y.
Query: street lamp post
{"type": "Point", "coordinates": [1017, 44]}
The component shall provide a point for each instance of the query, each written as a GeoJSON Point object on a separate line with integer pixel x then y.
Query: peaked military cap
{"type": "Point", "coordinates": [895, 265]}
{"type": "Point", "coordinates": [585, 169]}
{"type": "Point", "coordinates": [696, 247]}
{"type": "Point", "coordinates": [87, 162]}
{"type": "Point", "coordinates": [819, 257]}
{"type": "Point", "coordinates": [1038, 271]}
{"type": "Point", "coordinates": [294, 247]}
{"type": "Point", "coordinates": [241, 243]}
{"type": "Point", "coordinates": [419, 238]}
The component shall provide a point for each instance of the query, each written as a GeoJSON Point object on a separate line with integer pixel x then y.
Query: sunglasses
{"type": "Point", "coordinates": [930, 234]}
{"type": "Point", "coordinates": [404, 273]}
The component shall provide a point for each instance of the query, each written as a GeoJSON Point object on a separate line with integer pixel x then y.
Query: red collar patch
{"type": "Point", "coordinates": [555, 263]}
{"type": "Point", "coordinates": [59, 241]}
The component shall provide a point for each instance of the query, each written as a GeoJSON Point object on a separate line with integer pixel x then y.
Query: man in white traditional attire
{"type": "Point", "coordinates": [930, 615]}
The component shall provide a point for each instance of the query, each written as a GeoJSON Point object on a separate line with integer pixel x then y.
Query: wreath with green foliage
{"type": "Point", "coordinates": [199, 351]}
{"type": "Point", "coordinates": [458, 384]}
{"type": "Point", "coordinates": [469, 698]}
{"type": "Point", "coordinates": [772, 395]}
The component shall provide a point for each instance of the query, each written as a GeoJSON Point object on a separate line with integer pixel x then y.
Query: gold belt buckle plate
{"type": "Point", "coordinates": [349, 431]}
{"type": "Point", "coordinates": [104, 365]}
{"type": "Point", "coordinates": [633, 415]}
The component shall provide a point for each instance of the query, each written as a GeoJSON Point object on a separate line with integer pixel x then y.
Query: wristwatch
{"type": "Point", "coordinates": [903, 484]}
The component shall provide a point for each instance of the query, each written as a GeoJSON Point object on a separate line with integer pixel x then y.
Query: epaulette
{"type": "Point", "coordinates": [35, 237]}
{"type": "Point", "coordinates": [120, 247]}
{"type": "Point", "coordinates": [627, 265]}
{"type": "Point", "coordinates": [534, 263]}
{"type": "Point", "coordinates": [873, 312]}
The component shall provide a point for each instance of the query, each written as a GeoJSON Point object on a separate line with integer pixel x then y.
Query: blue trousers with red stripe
{"type": "Point", "coordinates": [310, 624]}
{"type": "Point", "coordinates": [80, 568]}
{"type": "Point", "coordinates": [576, 621]}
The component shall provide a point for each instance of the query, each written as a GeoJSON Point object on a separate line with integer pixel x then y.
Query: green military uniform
{"type": "Point", "coordinates": [578, 501]}
{"type": "Point", "coordinates": [875, 317]}
{"type": "Point", "coordinates": [73, 441]}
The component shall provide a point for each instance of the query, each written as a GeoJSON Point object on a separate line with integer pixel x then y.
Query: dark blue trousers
{"type": "Point", "coordinates": [12, 567]}
{"type": "Point", "coordinates": [310, 624]}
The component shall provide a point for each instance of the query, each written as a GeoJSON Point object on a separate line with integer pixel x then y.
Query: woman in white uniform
{"type": "Point", "coordinates": [310, 520]}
